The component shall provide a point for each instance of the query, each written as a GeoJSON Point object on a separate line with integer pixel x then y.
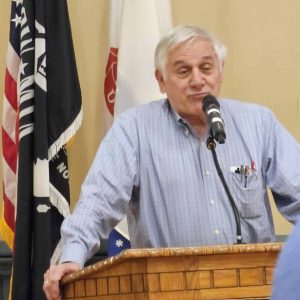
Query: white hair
{"type": "Point", "coordinates": [182, 34]}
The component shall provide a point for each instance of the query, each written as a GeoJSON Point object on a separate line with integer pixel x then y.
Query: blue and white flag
{"type": "Point", "coordinates": [136, 26]}
{"type": "Point", "coordinates": [117, 242]}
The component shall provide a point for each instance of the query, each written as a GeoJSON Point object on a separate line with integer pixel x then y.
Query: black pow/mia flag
{"type": "Point", "coordinates": [49, 115]}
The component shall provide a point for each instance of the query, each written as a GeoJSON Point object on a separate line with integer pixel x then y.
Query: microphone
{"type": "Point", "coordinates": [211, 107]}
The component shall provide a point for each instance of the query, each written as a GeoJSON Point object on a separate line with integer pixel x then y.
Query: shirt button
{"type": "Point", "coordinates": [186, 131]}
{"type": "Point", "coordinates": [212, 201]}
{"type": "Point", "coordinates": [207, 173]}
{"type": "Point", "coordinates": [216, 232]}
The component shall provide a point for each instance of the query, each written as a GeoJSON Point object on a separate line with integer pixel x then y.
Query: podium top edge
{"type": "Point", "coordinates": [165, 252]}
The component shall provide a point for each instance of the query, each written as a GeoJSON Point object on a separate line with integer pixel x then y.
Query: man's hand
{"type": "Point", "coordinates": [54, 275]}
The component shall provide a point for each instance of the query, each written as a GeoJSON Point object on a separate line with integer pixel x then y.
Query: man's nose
{"type": "Point", "coordinates": [197, 78]}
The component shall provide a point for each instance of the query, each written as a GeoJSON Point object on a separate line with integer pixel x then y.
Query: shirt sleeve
{"type": "Point", "coordinates": [282, 170]}
{"type": "Point", "coordinates": [105, 193]}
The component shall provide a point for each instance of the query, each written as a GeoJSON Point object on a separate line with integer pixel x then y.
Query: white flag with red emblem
{"type": "Point", "coordinates": [135, 29]}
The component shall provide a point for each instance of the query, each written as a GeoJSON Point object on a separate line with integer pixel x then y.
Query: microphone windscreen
{"type": "Point", "coordinates": [208, 102]}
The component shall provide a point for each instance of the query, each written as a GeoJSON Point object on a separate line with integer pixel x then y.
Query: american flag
{"type": "Point", "coordinates": [10, 127]}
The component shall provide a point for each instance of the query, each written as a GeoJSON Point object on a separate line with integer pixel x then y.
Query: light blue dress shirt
{"type": "Point", "coordinates": [153, 167]}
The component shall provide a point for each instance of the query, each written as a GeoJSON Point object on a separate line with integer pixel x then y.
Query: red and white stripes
{"type": "Point", "coordinates": [10, 146]}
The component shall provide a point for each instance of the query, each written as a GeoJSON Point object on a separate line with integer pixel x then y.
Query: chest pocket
{"type": "Point", "coordinates": [247, 194]}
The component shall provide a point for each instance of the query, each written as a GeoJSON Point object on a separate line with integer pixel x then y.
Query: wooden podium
{"type": "Point", "coordinates": [216, 272]}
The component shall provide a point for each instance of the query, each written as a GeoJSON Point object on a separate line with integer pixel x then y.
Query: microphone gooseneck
{"type": "Point", "coordinates": [211, 145]}
{"type": "Point", "coordinates": [211, 108]}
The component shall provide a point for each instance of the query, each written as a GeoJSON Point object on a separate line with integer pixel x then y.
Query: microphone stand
{"type": "Point", "coordinates": [211, 145]}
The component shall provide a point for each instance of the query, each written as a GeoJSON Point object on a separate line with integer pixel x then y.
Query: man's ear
{"type": "Point", "coordinates": [160, 79]}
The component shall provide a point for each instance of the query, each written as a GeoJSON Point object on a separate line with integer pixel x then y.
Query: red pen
{"type": "Point", "coordinates": [253, 166]}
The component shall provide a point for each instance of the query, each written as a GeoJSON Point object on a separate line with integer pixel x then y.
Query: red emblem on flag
{"type": "Point", "coordinates": [111, 79]}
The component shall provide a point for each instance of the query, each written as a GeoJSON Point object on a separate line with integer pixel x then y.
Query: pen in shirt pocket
{"type": "Point", "coordinates": [253, 167]}
{"type": "Point", "coordinates": [247, 171]}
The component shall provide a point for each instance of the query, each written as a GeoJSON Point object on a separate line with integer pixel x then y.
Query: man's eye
{"type": "Point", "coordinates": [183, 72]}
{"type": "Point", "coordinates": [207, 68]}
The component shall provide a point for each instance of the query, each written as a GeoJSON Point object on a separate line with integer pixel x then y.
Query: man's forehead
{"type": "Point", "coordinates": [206, 50]}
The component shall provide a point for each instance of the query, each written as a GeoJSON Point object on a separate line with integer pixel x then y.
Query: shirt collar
{"type": "Point", "coordinates": [175, 115]}
{"type": "Point", "coordinates": [184, 124]}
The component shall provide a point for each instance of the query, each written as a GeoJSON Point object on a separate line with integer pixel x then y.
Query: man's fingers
{"type": "Point", "coordinates": [53, 276]}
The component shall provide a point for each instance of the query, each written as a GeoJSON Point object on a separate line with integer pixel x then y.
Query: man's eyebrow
{"type": "Point", "coordinates": [182, 62]}
{"type": "Point", "coordinates": [179, 62]}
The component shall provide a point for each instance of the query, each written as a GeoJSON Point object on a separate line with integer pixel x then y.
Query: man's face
{"type": "Point", "coordinates": [193, 71]}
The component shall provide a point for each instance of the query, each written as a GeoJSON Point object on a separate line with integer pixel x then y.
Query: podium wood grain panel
{"type": "Point", "coordinates": [91, 287]}
{"type": "Point", "coordinates": [252, 276]}
{"type": "Point", "coordinates": [217, 272]}
{"type": "Point", "coordinates": [125, 284]}
{"type": "Point", "coordinates": [102, 286]}
{"type": "Point", "coordinates": [197, 280]}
